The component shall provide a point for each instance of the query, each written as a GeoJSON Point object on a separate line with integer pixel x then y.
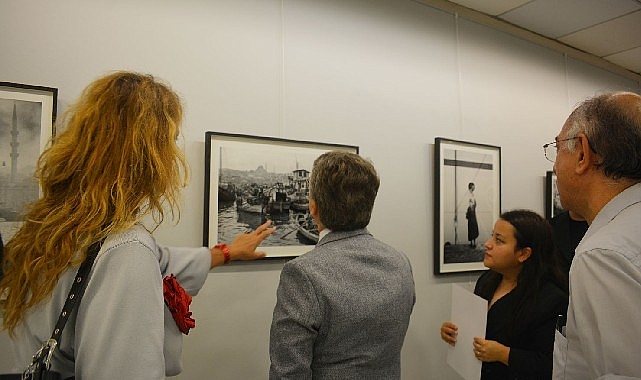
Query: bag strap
{"type": "Point", "coordinates": [44, 354]}
{"type": "Point", "coordinates": [77, 290]}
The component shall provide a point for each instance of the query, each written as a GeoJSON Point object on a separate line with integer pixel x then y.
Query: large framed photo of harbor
{"type": "Point", "coordinates": [250, 179]}
{"type": "Point", "coordinates": [27, 115]}
{"type": "Point", "coordinates": [467, 202]}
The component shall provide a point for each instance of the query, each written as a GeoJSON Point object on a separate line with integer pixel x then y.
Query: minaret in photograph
{"type": "Point", "coordinates": [14, 144]}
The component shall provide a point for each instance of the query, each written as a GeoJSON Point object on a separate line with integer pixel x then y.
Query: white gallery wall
{"type": "Point", "coordinates": [386, 75]}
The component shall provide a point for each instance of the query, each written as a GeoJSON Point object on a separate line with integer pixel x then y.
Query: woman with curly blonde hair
{"type": "Point", "coordinates": [115, 162]}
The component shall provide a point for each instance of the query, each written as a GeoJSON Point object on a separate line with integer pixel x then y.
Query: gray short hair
{"type": "Point", "coordinates": [612, 124]}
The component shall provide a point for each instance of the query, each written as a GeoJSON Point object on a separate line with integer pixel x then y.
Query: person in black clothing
{"type": "Point", "coordinates": [569, 229]}
{"type": "Point", "coordinates": [470, 215]}
{"type": "Point", "coordinates": [526, 292]}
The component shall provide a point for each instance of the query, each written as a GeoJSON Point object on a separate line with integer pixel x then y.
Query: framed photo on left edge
{"type": "Point", "coordinates": [250, 179]}
{"type": "Point", "coordinates": [467, 202]}
{"type": "Point", "coordinates": [27, 116]}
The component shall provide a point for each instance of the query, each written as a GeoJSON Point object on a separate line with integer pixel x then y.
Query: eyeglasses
{"type": "Point", "coordinates": [550, 149]}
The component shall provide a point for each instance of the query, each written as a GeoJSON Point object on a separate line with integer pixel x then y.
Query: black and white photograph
{"type": "Point", "coordinates": [467, 202]}
{"type": "Point", "coordinates": [250, 179]}
{"type": "Point", "coordinates": [553, 206]}
{"type": "Point", "coordinates": [27, 114]}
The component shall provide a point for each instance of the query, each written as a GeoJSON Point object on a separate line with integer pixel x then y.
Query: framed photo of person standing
{"type": "Point", "coordinates": [467, 202]}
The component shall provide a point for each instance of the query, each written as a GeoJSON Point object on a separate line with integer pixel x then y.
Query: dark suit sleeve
{"type": "Point", "coordinates": [536, 362]}
{"type": "Point", "coordinates": [295, 325]}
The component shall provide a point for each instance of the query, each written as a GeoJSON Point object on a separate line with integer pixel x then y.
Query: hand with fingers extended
{"type": "Point", "coordinates": [243, 247]}
{"type": "Point", "coordinates": [449, 331]}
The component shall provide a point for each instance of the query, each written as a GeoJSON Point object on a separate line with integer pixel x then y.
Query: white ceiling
{"type": "Point", "coordinates": [609, 29]}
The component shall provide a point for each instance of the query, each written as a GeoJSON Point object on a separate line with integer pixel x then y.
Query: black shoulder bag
{"type": "Point", "coordinates": [40, 367]}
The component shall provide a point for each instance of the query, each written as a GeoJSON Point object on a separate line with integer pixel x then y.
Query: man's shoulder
{"type": "Point", "coordinates": [623, 229]}
{"type": "Point", "coordinates": [336, 248]}
{"type": "Point", "coordinates": [618, 241]}
{"type": "Point", "coordinates": [617, 224]}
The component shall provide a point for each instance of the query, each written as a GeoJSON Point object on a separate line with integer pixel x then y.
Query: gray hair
{"type": "Point", "coordinates": [612, 124]}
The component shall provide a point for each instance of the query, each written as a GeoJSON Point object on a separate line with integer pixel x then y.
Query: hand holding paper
{"type": "Point", "coordinates": [449, 332]}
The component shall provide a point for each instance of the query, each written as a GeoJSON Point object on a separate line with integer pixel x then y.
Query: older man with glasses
{"type": "Point", "coordinates": [597, 161]}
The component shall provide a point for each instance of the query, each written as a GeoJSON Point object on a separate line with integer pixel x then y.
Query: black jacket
{"type": "Point", "coordinates": [530, 338]}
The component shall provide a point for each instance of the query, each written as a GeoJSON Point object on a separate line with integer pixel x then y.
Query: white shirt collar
{"type": "Point", "coordinates": [323, 233]}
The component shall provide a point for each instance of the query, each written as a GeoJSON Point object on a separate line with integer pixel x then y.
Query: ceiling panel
{"type": "Point", "coordinates": [556, 18]}
{"type": "Point", "coordinates": [493, 7]}
{"type": "Point", "coordinates": [629, 58]}
{"type": "Point", "coordinates": [610, 37]}
{"type": "Point", "coordinates": [607, 29]}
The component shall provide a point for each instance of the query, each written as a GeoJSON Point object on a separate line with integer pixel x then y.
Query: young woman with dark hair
{"type": "Point", "coordinates": [526, 292]}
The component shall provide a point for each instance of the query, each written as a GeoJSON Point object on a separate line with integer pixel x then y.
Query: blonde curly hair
{"type": "Point", "coordinates": [116, 162]}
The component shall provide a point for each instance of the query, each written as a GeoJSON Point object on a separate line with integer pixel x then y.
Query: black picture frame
{"type": "Point", "coordinates": [29, 111]}
{"type": "Point", "coordinates": [553, 205]}
{"type": "Point", "coordinates": [249, 179]}
{"type": "Point", "coordinates": [457, 166]}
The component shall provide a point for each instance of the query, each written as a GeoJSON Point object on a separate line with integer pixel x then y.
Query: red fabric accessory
{"type": "Point", "coordinates": [223, 247]}
{"type": "Point", "coordinates": [178, 301]}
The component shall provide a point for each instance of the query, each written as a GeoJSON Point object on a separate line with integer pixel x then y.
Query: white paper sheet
{"type": "Point", "coordinates": [469, 312]}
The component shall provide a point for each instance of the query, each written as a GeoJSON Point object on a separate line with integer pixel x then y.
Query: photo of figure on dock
{"type": "Point", "coordinates": [467, 196]}
{"type": "Point", "coordinates": [250, 179]}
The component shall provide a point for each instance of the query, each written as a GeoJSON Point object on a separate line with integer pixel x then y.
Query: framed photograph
{"type": "Point", "coordinates": [553, 205]}
{"type": "Point", "coordinates": [250, 179]}
{"type": "Point", "coordinates": [467, 202]}
{"type": "Point", "coordinates": [27, 115]}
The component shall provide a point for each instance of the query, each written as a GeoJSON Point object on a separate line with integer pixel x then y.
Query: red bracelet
{"type": "Point", "coordinates": [223, 247]}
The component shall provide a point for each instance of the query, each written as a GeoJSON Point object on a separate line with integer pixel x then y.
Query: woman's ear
{"type": "Point", "coordinates": [524, 254]}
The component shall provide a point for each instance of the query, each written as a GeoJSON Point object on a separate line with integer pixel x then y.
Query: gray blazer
{"type": "Point", "coordinates": [342, 311]}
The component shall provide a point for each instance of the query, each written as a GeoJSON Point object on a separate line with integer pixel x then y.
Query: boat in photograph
{"type": "Point", "coordinates": [307, 228]}
{"type": "Point", "coordinates": [226, 192]}
{"type": "Point", "coordinates": [278, 200]}
{"type": "Point", "coordinates": [253, 204]}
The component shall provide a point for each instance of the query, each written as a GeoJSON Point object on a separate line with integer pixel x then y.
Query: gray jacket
{"type": "Point", "coordinates": [342, 311]}
{"type": "Point", "coordinates": [122, 328]}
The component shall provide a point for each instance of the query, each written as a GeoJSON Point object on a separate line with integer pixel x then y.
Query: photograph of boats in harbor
{"type": "Point", "coordinates": [26, 126]}
{"type": "Point", "coordinates": [467, 203]}
{"type": "Point", "coordinates": [250, 179]}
